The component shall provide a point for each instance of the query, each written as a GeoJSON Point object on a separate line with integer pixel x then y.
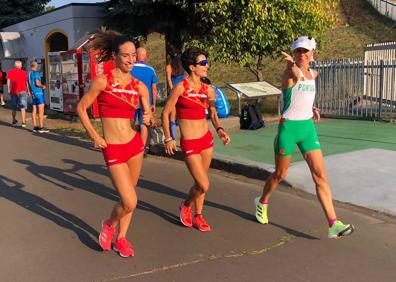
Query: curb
{"type": "Point", "coordinates": [247, 168]}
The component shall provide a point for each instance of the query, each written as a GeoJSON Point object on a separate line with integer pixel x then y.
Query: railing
{"type": "Point", "coordinates": [356, 88]}
{"type": "Point", "coordinates": [386, 8]}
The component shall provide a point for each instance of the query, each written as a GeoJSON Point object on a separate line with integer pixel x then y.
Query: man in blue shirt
{"type": "Point", "coordinates": [146, 74]}
{"type": "Point", "coordinates": [38, 103]}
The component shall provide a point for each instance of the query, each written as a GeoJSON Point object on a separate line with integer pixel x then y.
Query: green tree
{"type": "Point", "coordinates": [177, 19]}
{"type": "Point", "coordinates": [245, 31]}
{"type": "Point", "coordinates": [14, 11]}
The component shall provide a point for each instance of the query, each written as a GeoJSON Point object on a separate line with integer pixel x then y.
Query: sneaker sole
{"type": "Point", "coordinates": [121, 255]}
{"type": "Point", "coordinates": [202, 230]}
{"type": "Point", "coordinates": [259, 219]}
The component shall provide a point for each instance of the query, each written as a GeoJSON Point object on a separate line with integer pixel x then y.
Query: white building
{"type": "Point", "coordinates": [56, 30]}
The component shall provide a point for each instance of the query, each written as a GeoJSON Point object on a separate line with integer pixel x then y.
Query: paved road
{"type": "Point", "coordinates": [54, 191]}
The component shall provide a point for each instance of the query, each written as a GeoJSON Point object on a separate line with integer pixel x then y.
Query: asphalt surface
{"type": "Point", "coordinates": [54, 191]}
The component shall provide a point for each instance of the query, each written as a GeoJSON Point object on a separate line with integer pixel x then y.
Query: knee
{"type": "Point", "coordinates": [203, 186]}
{"type": "Point", "coordinates": [279, 175]}
{"type": "Point", "coordinates": [129, 206]}
{"type": "Point", "coordinates": [320, 178]}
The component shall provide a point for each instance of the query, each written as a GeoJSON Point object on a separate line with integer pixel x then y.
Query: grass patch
{"type": "Point", "coordinates": [75, 129]}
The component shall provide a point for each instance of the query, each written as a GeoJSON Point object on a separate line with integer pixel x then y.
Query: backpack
{"type": "Point", "coordinates": [156, 136]}
{"type": "Point", "coordinates": [222, 106]}
{"type": "Point", "coordinates": [251, 117]}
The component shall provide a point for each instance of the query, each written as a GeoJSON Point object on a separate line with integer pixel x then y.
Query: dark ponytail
{"type": "Point", "coordinates": [107, 42]}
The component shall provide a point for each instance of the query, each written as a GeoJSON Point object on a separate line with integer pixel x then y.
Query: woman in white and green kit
{"type": "Point", "coordinates": [296, 127]}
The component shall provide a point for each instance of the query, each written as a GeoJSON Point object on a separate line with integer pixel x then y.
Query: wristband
{"type": "Point", "coordinates": [219, 128]}
{"type": "Point", "coordinates": [166, 141]}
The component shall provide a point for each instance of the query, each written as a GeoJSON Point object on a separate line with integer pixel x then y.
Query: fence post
{"type": "Point", "coordinates": [381, 90]}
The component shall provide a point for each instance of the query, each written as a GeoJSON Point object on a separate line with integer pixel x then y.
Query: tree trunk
{"type": "Point", "coordinates": [257, 68]}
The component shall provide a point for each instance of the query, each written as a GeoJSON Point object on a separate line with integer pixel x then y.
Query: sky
{"type": "Point", "coordinates": [59, 3]}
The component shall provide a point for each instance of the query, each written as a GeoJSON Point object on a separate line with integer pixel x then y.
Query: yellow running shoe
{"type": "Point", "coordinates": [261, 211]}
{"type": "Point", "coordinates": [340, 229]}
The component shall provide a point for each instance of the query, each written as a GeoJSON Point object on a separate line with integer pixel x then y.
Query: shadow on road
{"type": "Point", "coordinates": [71, 179]}
{"type": "Point", "coordinates": [159, 188]}
{"type": "Point", "coordinates": [13, 191]}
{"type": "Point", "coordinates": [55, 137]}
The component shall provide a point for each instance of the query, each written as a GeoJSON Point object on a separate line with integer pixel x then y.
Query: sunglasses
{"type": "Point", "coordinates": [301, 50]}
{"type": "Point", "coordinates": [202, 63]}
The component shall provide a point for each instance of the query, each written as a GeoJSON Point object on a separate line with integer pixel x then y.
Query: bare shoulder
{"type": "Point", "coordinates": [141, 85]}
{"type": "Point", "coordinates": [101, 79]}
{"type": "Point", "coordinates": [211, 93]}
{"type": "Point", "coordinates": [179, 87]}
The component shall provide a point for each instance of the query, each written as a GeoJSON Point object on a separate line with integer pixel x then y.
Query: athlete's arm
{"type": "Point", "coordinates": [168, 71]}
{"type": "Point", "coordinates": [170, 145]}
{"type": "Point", "coordinates": [215, 118]}
{"type": "Point", "coordinates": [97, 86]}
{"type": "Point", "coordinates": [144, 98]}
{"type": "Point", "coordinates": [291, 75]}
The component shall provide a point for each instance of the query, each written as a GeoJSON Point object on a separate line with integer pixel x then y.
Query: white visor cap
{"type": "Point", "coordinates": [306, 42]}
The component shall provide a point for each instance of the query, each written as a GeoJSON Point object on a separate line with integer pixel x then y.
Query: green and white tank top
{"type": "Point", "coordinates": [297, 101]}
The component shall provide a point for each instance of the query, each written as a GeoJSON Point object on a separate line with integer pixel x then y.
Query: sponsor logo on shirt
{"type": "Point", "coordinates": [126, 91]}
{"type": "Point", "coordinates": [191, 94]}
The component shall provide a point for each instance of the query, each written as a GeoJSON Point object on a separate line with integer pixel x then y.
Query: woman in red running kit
{"type": "Point", "coordinates": [118, 95]}
{"type": "Point", "coordinates": [191, 98]}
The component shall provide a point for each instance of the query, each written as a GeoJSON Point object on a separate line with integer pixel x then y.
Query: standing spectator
{"type": "Point", "coordinates": [38, 103]}
{"type": "Point", "coordinates": [146, 74]}
{"type": "Point", "coordinates": [17, 87]}
{"type": "Point", "coordinates": [2, 79]}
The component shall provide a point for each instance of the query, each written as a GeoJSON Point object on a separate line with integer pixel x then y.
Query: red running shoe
{"type": "Point", "coordinates": [106, 235]}
{"type": "Point", "coordinates": [185, 215]}
{"type": "Point", "coordinates": [200, 223]}
{"type": "Point", "coordinates": [124, 248]}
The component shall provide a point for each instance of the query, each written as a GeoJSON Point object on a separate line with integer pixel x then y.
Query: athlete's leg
{"type": "Point", "coordinates": [281, 167]}
{"type": "Point", "coordinates": [315, 163]}
{"type": "Point", "coordinates": [120, 177]}
{"type": "Point", "coordinates": [206, 157]}
{"type": "Point", "coordinates": [195, 165]}
{"type": "Point", "coordinates": [34, 115]}
{"type": "Point", "coordinates": [134, 167]}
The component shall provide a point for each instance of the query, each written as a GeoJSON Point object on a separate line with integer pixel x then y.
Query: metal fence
{"type": "Point", "coordinates": [356, 88]}
{"type": "Point", "coordinates": [386, 8]}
